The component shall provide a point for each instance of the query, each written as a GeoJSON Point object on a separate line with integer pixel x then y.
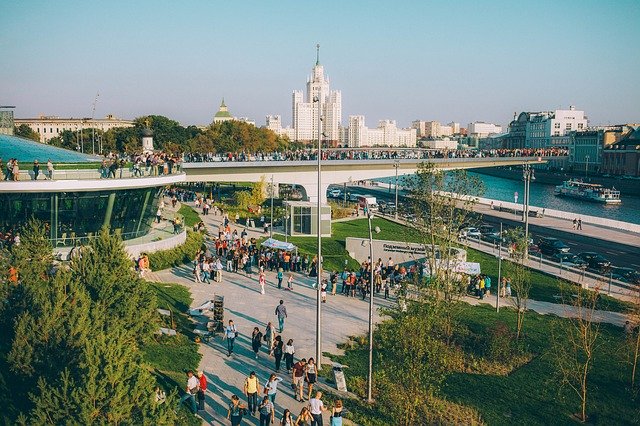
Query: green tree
{"type": "Point", "coordinates": [26, 132]}
{"type": "Point", "coordinates": [520, 275]}
{"type": "Point", "coordinates": [258, 191]}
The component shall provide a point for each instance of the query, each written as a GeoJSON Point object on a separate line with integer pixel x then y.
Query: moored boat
{"type": "Point", "coordinates": [588, 192]}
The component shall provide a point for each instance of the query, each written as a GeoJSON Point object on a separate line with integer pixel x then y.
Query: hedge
{"type": "Point", "coordinates": [178, 255]}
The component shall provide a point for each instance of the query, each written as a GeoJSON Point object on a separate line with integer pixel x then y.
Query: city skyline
{"type": "Point", "coordinates": [460, 63]}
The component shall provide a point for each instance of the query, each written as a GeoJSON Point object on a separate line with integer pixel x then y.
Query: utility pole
{"type": "Point", "coordinates": [93, 127]}
{"type": "Point", "coordinates": [271, 219]}
{"type": "Point", "coordinates": [499, 269]}
{"type": "Point", "coordinates": [396, 164]}
{"type": "Point", "coordinates": [319, 226]}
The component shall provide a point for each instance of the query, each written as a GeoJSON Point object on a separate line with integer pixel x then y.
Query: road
{"type": "Point", "coordinates": [619, 254]}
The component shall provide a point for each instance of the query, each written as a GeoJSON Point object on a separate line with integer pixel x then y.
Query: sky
{"type": "Point", "coordinates": [456, 61]}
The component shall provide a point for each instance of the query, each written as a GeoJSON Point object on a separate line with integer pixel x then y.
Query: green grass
{"type": "Point", "coordinates": [191, 216]}
{"type": "Point", "coordinates": [544, 287]}
{"type": "Point", "coordinates": [529, 395]}
{"type": "Point", "coordinates": [172, 356]}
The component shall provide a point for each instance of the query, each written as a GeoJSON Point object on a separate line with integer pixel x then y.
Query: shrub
{"type": "Point", "coordinates": [499, 344]}
{"type": "Point", "coordinates": [178, 255]}
{"type": "Point", "coordinates": [191, 216]}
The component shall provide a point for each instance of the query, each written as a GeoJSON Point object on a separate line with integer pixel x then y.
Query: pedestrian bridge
{"type": "Point", "coordinates": [305, 173]}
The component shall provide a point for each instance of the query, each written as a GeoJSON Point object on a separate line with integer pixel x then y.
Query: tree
{"type": "Point", "coordinates": [443, 204]}
{"type": "Point", "coordinates": [575, 344]}
{"type": "Point", "coordinates": [26, 132]}
{"type": "Point", "coordinates": [258, 191]}
{"type": "Point", "coordinates": [520, 275]}
{"type": "Point", "coordinates": [632, 338]}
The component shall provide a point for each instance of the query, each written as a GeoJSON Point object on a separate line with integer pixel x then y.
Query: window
{"type": "Point", "coordinates": [557, 125]}
{"type": "Point", "coordinates": [580, 125]}
{"type": "Point", "coordinates": [568, 126]}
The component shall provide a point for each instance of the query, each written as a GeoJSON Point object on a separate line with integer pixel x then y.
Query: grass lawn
{"type": "Point", "coordinates": [172, 356]}
{"type": "Point", "coordinates": [544, 287]}
{"type": "Point", "coordinates": [530, 394]}
{"type": "Point", "coordinates": [191, 216]}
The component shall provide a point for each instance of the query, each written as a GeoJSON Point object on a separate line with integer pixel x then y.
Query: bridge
{"type": "Point", "coordinates": [305, 172]}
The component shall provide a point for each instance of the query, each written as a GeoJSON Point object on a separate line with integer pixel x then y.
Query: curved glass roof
{"type": "Point", "coordinates": [26, 150]}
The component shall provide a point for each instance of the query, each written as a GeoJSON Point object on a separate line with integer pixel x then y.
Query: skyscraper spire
{"type": "Point", "coordinates": [318, 54]}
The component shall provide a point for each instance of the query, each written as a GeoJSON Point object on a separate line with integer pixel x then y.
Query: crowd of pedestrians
{"type": "Point", "coordinates": [310, 154]}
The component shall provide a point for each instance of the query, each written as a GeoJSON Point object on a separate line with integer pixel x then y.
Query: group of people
{"type": "Point", "coordinates": [301, 372]}
{"type": "Point", "coordinates": [309, 154]}
{"type": "Point", "coordinates": [11, 171]}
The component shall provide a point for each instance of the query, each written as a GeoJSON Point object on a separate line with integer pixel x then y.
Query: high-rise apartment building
{"type": "Point", "coordinates": [481, 129]}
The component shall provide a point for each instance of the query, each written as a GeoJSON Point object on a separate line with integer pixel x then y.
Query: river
{"type": "Point", "coordinates": [542, 195]}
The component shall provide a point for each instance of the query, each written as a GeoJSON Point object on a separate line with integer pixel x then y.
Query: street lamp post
{"type": "Point", "coordinates": [271, 218]}
{"type": "Point", "coordinates": [371, 284]}
{"type": "Point", "coordinates": [286, 224]}
{"type": "Point", "coordinates": [319, 230]}
{"type": "Point", "coordinates": [527, 174]}
{"type": "Point", "coordinates": [499, 269]}
{"type": "Point", "coordinates": [586, 166]}
{"type": "Point", "coordinates": [396, 164]}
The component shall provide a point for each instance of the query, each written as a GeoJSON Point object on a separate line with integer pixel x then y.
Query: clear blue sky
{"type": "Point", "coordinates": [404, 60]}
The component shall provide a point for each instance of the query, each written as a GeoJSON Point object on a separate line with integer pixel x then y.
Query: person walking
{"type": "Point", "coordinates": [269, 336]}
{"type": "Point", "coordinates": [298, 378]}
{"type": "Point", "coordinates": [311, 375]}
{"type": "Point", "coordinates": [290, 282]}
{"type": "Point", "coordinates": [50, 169]}
{"type": "Point", "coordinates": [278, 351]}
{"type": "Point", "coordinates": [575, 223]}
{"type": "Point", "coordinates": [323, 291]}
{"type": "Point", "coordinates": [336, 414]}
{"type": "Point", "coordinates": [304, 418]}
{"type": "Point", "coordinates": [271, 387]}
{"type": "Point", "coordinates": [580, 224]}
{"type": "Point", "coordinates": [280, 276]}
{"type": "Point", "coordinates": [36, 170]}
{"type": "Point", "coordinates": [236, 410]}
{"type": "Point", "coordinates": [281, 313]}
{"type": "Point", "coordinates": [287, 419]}
{"type": "Point", "coordinates": [256, 341]}
{"type": "Point", "coordinates": [267, 411]}
{"type": "Point", "coordinates": [201, 391]}
{"type": "Point", "coordinates": [251, 386]}
{"type": "Point", "coordinates": [190, 392]}
{"type": "Point", "coordinates": [316, 407]}
{"type": "Point", "coordinates": [262, 280]}
{"type": "Point", "coordinates": [289, 351]}
{"type": "Point", "coordinates": [230, 333]}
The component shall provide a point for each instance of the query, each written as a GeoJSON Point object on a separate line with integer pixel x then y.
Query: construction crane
{"type": "Point", "coordinates": [93, 127]}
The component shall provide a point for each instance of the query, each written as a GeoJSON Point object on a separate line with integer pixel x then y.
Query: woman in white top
{"type": "Point", "coordinates": [271, 387]}
{"type": "Point", "coordinates": [289, 350]}
{"type": "Point", "coordinates": [311, 374]}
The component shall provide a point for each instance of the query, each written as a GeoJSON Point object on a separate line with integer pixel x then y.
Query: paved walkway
{"type": "Point", "coordinates": [341, 317]}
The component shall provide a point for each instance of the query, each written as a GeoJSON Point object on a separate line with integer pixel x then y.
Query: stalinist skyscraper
{"type": "Point", "coordinates": [305, 111]}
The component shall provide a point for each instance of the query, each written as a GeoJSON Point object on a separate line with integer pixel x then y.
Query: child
{"type": "Point", "coordinates": [323, 291]}
{"type": "Point", "coordinates": [290, 282]}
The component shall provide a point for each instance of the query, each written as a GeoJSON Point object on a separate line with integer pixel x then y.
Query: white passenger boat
{"type": "Point", "coordinates": [587, 191]}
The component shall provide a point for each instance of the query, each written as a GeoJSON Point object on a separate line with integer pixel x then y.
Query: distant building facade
{"type": "Point", "coordinates": [545, 129]}
{"type": "Point", "coordinates": [6, 120]}
{"type": "Point", "coordinates": [50, 127]}
{"type": "Point", "coordinates": [480, 129]}
{"type": "Point", "coordinates": [585, 150]}
{"type": "Point", "coordinates": [386, 134]}
{"type": "Point", "coordinates": [622, 158]}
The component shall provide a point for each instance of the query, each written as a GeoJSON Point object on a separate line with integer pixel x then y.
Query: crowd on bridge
{"type": "Point", "coordinates": [310, 154]}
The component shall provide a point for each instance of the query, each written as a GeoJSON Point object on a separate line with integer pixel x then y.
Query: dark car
{"type": "Point", "coordinates": [551, 246]}
{"type": "Point", "coordinates": [493, 238]}
{"type": "Point", "coordinates": [570, 260]}
{"type": "Point", "coordinates": [626, 275]}
{"type": "Point", "coordinates": [486, 229]}
{"type": "Point", "coordinates": [595, 260]}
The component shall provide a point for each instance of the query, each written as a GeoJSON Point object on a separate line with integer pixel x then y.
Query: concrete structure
{"type": "Point", "coordinates": [623, 157]}
{"type": "Point", "coordinates": [303, 219]}
{"type": "Point", "coordinates": [51, 127]}
{"type": "Point", "coordinates": [305, 174]}
{"type": "Point", "coordinates": [480, 129]}
{"type": "Point", "coordinates": [386, 134]}
{"type": "Point", "coordinates": [6, 120]}
{"type": "Point", "coordinates": [398, 251]}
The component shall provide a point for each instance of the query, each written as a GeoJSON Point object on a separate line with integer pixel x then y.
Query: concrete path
{"type": "Point", "coordinates": [341, 317]}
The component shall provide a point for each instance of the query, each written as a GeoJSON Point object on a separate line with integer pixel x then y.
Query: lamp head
{"type": "Point", "coordinates": [377, 229]}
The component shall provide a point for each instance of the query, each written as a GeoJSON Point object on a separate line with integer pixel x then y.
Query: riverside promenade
{"type": "Point", "coordinates": [341, 317]}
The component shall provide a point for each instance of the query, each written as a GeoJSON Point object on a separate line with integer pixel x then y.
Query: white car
{"type": "Point", "coordinates": [335, 193]}
{"type": "Point", "coordinates": [470, 233]}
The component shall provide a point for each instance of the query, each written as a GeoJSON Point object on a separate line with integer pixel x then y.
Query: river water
{"type": "Point", "coordinates": [503, 189]}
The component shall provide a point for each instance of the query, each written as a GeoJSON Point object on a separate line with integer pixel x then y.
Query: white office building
{"type": "Point", "coordinates": [50, 127]}
{"type": "Point", "coordinates": [386, 134]}
{"type": "Point", "coordinates": [480, 129]}
{"type": "Point", "coordinates": [552, 128]}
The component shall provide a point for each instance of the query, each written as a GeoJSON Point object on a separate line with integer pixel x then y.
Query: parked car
{"type": "Point", "coordinates": [595, 260]}
{"type": "Point", "coordinates": [551, 246]}
{"type": "Point", "coordinates": [626, 275]}
{"type": "Point", "coordinates": [469, 233]}
{"type": "Point", "coordinates": [570, 260]}
{"type": "Point", "coordinates": [334, 193]}
{"type": "Point", "coordinates": [486, 229]}
{"type": "Point", "coordinates": [493, 238]}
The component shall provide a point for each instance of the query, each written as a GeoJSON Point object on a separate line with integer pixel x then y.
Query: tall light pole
{"type": "Point", "coordinates": [271, 218]}
{"type": "Point", "coordinates": [499, 269]}
{"type": "Point", "coordinates": [527, 174]}
{"type": "Point", "coordinates": [318, 99]}
{"type": "Point", "coordinates": [586, 166]}
{"type": "Point", "coordinates": [371, 273]}
{"type": "Point", "coordinates": [396, 164]}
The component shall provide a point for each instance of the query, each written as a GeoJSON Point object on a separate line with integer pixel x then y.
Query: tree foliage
{"type": "Point", "coordinates": [520, 275]}
{"type": "Point", "coordinates": [76, 333]}
{"type": "Point", "coordinates": [24, 131]}
{"type": "Point", "coordinates": [236, 136]}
